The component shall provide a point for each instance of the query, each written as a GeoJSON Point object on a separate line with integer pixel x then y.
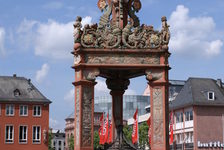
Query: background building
{"type": "Point", "coordinates": [130, 104]}
{"type": "Point", "coordinates": [199, 115]}
{"type": "Point", "coordinates": [58, 140]}
{"type": "Point", "coordinates": [24, 115]}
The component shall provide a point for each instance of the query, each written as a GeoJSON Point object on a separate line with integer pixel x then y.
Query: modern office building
{"type": "Point", "coordinates": [199, 115]}
{"type": "Point", "coordinates": [24, 115]}
{"type": "Point", "coordinates": [130, 104]}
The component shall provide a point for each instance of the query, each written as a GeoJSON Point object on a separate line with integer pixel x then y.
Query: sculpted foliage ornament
{"type": "Point", "coordinates": [108, 34]}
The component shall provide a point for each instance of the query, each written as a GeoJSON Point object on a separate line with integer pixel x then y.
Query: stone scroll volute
{"type": "Point", "coordinates": [154, 76]}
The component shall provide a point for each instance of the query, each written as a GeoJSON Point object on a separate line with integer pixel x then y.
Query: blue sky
{"type": "Point", "coordinates": [36, 38]}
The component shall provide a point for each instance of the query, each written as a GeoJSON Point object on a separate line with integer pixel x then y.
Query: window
{"type": "Point", "coordinates": [23, 134]}
{"type": "Point", "coordinates": [23, 110]}
{"type": "Point", "coordinates": [9, 134]}
{"type": "Point", "coordinates": [191, 115]}
{"type": "Point", "coordinates": [9, 110]}
{"type": "Point", "coordinates": [37, 110]}
{"type": "Point", "coordinates": [179, 117]}
{"type": "Point", "coordinates": [36, 134]}
{"type": "Point", "coordinates": [188, 115]}
{"type": "Point", "coordinates": [211, 95]}
{"type": "Point", "coordinates": [189, 137]}
{"type": "Point", "coordinates": [17, 93]}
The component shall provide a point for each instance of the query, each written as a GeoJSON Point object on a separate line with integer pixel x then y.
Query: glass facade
{"type": "Point", "coordinates": [130, 104]}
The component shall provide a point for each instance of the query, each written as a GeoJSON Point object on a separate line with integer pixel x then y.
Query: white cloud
{"type": "Point", "coordinates": [86, 20]}
{"type": "Point", "coordinates": [101, 88]}
{"type": "Point", "coordinates": [214, 47]}
{"type": "Point", "coordinates": [42, 73]}
{"type": "Point", "coordinates": [53, 5]}
{"type": "Point", "coordinates": [193, 35]}
{"type": "Point", "coordinates": [69, 97]}
{"type": "Point", "coordinates": [53, 40]}
{"type": "Point", "coordinates": [2, 41]}
{"type": "Point", "coordinates": [26, 33]}
{"type": "Point", "coordinates": [54, 123]}
{"type": "Point", "coordinates": [130, 92]}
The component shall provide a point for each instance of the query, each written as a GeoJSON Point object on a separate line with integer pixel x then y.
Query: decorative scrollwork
{"type": "Point", "coordinates": [109, 34]}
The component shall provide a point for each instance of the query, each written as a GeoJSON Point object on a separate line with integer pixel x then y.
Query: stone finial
{"type": "Point", "coordinates": [163, 19]}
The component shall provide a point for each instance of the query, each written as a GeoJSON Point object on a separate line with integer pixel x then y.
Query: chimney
{"type": "Point", "coordinates": [14, 75]}
{"type": "Point", "coordinates": [219, 82]}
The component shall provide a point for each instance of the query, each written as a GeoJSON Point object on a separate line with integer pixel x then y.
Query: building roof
{"type": "Point", "coordinates": [177, 82]}
{"type": "Point", "coordinates": [19, 89]}
{"type": "Point", "coordinates": [195, 92]}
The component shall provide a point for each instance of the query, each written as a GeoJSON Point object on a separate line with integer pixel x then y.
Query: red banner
{"type": "Point", "coordinates": [135, 128]}
{"type": "Point", "coordinates": [105, 129]}
{"type": "Point", "coordinates": [101, 131]}
{"type": "Point", "coordinates": [171, 128]}
{"type": "Point", "coordinates": [110, 133]}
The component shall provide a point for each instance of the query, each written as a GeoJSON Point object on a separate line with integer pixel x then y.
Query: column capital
{"type": "Point", "coordinates": [116, 85]}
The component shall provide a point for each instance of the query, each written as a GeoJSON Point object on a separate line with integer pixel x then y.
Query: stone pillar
{"type": "Point", "coordinates": [84, 109]}
{"type": "Point", "coordinates": [117, 87]}
{"type": "Point", "coordinates": [158, 82]}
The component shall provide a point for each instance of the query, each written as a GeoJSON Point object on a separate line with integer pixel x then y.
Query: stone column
{"type": "Point", "coordinates": [158, 82]}
{"type": "Point", "coordinates": [117, 87]}
{"type": "Point", "coordinates": [84, 109]}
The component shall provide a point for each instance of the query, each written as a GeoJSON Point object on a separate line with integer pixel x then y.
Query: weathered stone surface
{"type": "Point", "coordinates": [121, 144]}
{"type": "Point", "coordinates": [109, 33]}
{"type": "Point", "coordinates": [90, 74]}
{"type": "Point", "coordinates": [87, 116]}
{"type": "Point", "coordinates": [158, 116]}
{"type": "Point", "coordinates": [77, 115]}
{"type": "Point", "coordinates": [121, 59]}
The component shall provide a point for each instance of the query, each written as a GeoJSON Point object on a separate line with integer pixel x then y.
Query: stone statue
{"type": "Point", "coordinates": [77, 32]}
{"type": "Point", "coordinates": [165, 31]}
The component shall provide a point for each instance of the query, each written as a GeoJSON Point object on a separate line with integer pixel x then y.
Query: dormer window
{"type": "Point", "coordinates": [211, 95]}
{"type": "Point", "coordinates": [17, 93]}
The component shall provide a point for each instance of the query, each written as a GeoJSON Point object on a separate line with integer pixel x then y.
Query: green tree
{"type": "Point", "coordinates": [143, 135]}
{"type": "Point", "coordinates": [127, 132]}
{"type": "Point", "coordinates": [97, 146]}
{"type": "Point", "coordinates": [71, 142]}
{"type": "Point", "coordinates": [50, 137]}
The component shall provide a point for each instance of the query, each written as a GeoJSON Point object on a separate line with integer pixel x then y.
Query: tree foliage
{"type": "Point", "coordinates": [96, 141]}
{"type": "Point", "coordinates": [50, 137]}
{"type": "Point", "coordinates": [143, 135]}
{"type": "Point", "coordinates": [127, 132]}
{"type": "Point", "coordinates": [71, 142]}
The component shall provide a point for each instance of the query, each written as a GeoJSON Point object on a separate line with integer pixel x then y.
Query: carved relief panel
{"type": "Point", "coordinates": [87, 116]}
{"type": "Point", "coordinates": [121, 59]}
{"type": "Point", "coordinates": [77, 115]}
{"type": "Point", "coordinates": [158, 137]}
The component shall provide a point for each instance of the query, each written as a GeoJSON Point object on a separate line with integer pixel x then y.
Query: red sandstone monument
{"type": "Point", "coordinates": [118, 49]}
